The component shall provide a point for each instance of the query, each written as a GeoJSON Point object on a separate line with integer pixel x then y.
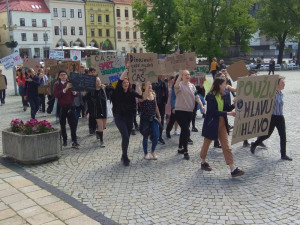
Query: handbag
{"type": "Point", "coordinates": [109, 113]}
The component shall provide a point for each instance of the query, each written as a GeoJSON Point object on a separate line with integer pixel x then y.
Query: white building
{"type": "Point", "coordinates": [31, 28]}
{"type": "Point", "coordinates": [128, 38]}
{"type": "Point", "coordinates": [67, 17]}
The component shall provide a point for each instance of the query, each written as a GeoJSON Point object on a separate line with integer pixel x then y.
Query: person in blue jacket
{"type": "Point", "coordinates": [215, 124]}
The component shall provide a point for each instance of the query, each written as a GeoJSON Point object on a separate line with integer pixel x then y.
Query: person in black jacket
{"type": "Point", "coordinates": [124, 108]}
{"type": "Point", "coordinates": [272, 66]}
{"type": "Point", "coordinates": [216, 125]}
{"type": "Point", "coordinates": [31, 90]}
{"type": "Point", "coordinates": [161, 91]}
{"type": "Point", "coordinates": [3, 82]}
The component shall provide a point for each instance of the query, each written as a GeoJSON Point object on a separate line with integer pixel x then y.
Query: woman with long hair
{"type": "Point", "coordinates": [186, 96]}
{"type": "Point", "coordinates": [215, 124]}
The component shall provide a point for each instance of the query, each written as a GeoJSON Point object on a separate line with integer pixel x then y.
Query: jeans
{"type": "Point", "coordinates": [2, 96]}
{"type": "Point", "coordinates": [78, 110]}
{"type": "Point", "coordinates": [42, 101]}
{"type": "Point", "coordinates": [67, 113]}
{"type": "Point", "coordinates": [124, 124]}
{"type": "Point", "coordinates": [155, 134]}
{"type": "Point", "coordinates": [162, 109]}
{"type": "Point", "coordinates": [34, 102]}
{"type": "Point", "coordinates": [279, 123]}
{"type": "Point", "coordinates": [184, 119]}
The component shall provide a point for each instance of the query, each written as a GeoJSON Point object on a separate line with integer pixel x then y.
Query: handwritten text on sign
{"type": "Point", "coordinates": [254, 107]}
{"type": "Point", "coordinates": [11, 60]}
{"type": "Point", "coordinates": [143, 67]}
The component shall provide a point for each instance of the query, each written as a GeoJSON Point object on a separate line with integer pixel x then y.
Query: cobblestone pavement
{"type": "Point", "coordinates": [175, 191]}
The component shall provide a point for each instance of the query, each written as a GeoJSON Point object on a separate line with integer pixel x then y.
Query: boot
{"type": "Point", "coordinates": [100, 133]}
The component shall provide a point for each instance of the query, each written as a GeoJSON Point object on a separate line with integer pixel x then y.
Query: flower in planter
{"type": "Point", "coordinates": [32, 126]}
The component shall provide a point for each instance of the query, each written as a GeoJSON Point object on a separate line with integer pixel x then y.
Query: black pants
{"type": "Point", "coordinates": [213, 73]}
{"type": "Point", "coordinates": [42, 101]}
{"type": "Point", "coordinates": [171, 122]}
{"type": "Point", "coordinates": [271, 70]}
{"type": "Point", "coordinates": [34, 102]}
{"type": "Point", "coordinates": [279, 123]}
{"type": "Point", "coordinates": [67, 113]}
{"type": "Point", "coordinates": [194, 114]}
{"type": "Point", "coordinates": [124, 124]}
{"type": "Point", "coordinates": [92, 123]}
{"type": "Point", "coordinates": [2, 96]}
{"type": "Point", "coordinates": [162, 109]}
{"type": "Point", "coordinates": [184, 119]}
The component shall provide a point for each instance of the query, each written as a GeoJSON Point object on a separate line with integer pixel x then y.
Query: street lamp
{"type": "Point", "coordinates": [60, 29]}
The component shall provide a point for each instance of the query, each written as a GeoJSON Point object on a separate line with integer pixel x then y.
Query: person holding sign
{"type": "Point", "coordinates": [277, 120]}
{"type": "Point", "coordinates": [215, 125]}
{"type": "Point", "coordinates": [186, 96]}
{"type": "Point", "coordinates": [149, 124]}
{"type": "Point", "coordinates": [3, 86]}
{"type": "Point", "coordinates": [65, 99]}
{"type": "Point", "coordinates": [98, 99]}
{"type": "Point", "coordinates": [124, 108]}
{"type": "Point", "coordinates": [31, 90]}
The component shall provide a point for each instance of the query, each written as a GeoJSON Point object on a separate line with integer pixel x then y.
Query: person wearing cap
{"type": "Point", "coordinates": [3, 85]}
{"type": "Point", "coordinates": [65, 99]}
{"type": "Point", "coordinates": [272, 66]}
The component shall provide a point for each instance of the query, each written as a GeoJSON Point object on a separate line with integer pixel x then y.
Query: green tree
{"type": "Point", "coordinates": [159, 24]}
{"type": "Point", "coordinates": [276, 21]}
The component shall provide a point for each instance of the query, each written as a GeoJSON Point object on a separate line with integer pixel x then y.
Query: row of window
{"type": "Point", "coordinates": [33, 22]}
{"type": "Point", "coordinates": [100, 32]}
{"type": "Point", "coordinates": [64, 13]}
{"type": "Point", "coordinates": [35, 37]}
{"type": "Point", "coordinates": [65, 30]}
{"type": "Point", "coordinates": [99, 16]}
{"type": "Point", "coordinates": [126, 13]}
{"type": "Point", "coordinates": [119, 35]}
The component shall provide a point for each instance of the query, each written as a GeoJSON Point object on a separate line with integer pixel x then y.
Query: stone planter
{"type": "Point", "coordinates": [31, 149]}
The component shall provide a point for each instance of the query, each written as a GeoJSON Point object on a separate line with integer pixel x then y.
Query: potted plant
{"type": "Point", "coordinates": [32, 142]}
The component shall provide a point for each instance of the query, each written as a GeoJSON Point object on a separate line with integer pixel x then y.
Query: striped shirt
{"type": "Point", "coordinates": [278, 106]}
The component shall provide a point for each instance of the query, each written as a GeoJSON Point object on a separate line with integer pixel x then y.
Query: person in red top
{"type": "Point", "coordinates": [65, 101]}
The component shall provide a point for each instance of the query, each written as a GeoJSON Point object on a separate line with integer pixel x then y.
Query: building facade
{"type": "Point", "coordinates": [31, 28]}
{"type": "Point", "coordinates": [68, 23]}
{"type": "Point", "coordinates": [100, 24]}
{"type": "Point", "coordinates": [128, 38]}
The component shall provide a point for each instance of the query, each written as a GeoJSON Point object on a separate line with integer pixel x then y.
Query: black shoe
{"type": "Point", "coordinates": [125, 160]}
{"type": "Point", "coordinates": [252, 148]}
{"type": "Point", "coordinates": [237, 172]}
{"type": "Point", "coordinates": [190, 142]}
{"type": "Point", "coordinates": [133, 132]}
{"type": "Point", "coordinates": [286, 158]}
{"type": "Point", "coordinates": [181, 151]}
{"type": "Point", "coordinates": [218, 146]}
{"type": "Point", "coordinates": [75, 145]}
{"type": "Point", "coordinates": [161, 141]}
{"type": "Point", "coordinates": [230, 127]}
{"type": "Point", "coordinates": [205, 166]}
{"type": "Point", "coordinates": [65, 143]}
{"type": "Point", "coordinates": [194, 129]}
{"type": "Point", "coordinates": [91, 132]}
{"type": "Point", "coordinates": [262, 145]}
{"type": "Point", "coordinates": [246, 144]}
{"type": "Point", "coordinates": [168, 135]}
{"type": "Point", "coordinates": [186, 156]}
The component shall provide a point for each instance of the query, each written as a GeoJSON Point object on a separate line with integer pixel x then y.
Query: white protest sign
{"type": "Point", "coordinates": [75, 55]}
{"type": "Point", "coordinates": [58, 55]}
{"type": "Point", "coordinates": [11, 60]}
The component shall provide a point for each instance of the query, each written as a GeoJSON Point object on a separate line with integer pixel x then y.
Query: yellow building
{"type": "Point", "coordinates": [100, 24]}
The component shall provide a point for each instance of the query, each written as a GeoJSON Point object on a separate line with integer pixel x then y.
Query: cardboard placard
{"type": "Point", "coordinates": [32, 63]}
{"type": "Point", "coordinates": [2, 83]}
{"type": "Point", "coordinates": [75, 55]}
{"type": "Point", "coordinates": [254, 107]}
{"type": "Point", "coordinates": [82, 82]}
{"type": "Point", "coordinates": [186, 61]}
{"type": "Point", "coordinates": [43, 90]}
{"type": "Point", "coordinates": [55, 69]}
{"type": "Point", "coordinates": [108, 67]}
{"type": "Point", "coordinates": [58, 55]}
{"type": "Point", "coordinates": [237, 70]}
{"type": "Point", "coordinates": [11, 60]}
{"type": "Point", "coordinates": [143, 67]}
{"type": "Point", "coordinates": [49, 63]}
{"type": "Point", "coordinates": [73, 67]}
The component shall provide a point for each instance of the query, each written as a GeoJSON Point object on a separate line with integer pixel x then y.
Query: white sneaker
{"type": "Point", "coordinates": [44, 115]}
{"type": "Point", "coordinates": [176, 133]}
{"type": "Point", "coordinates": [147, 156]}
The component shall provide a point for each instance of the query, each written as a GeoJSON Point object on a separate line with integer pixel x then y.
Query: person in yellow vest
{"type": "Point", "coordinates": [213, 67]}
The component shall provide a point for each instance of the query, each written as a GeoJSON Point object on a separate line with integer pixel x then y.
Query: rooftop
{"type": "Point", "coordinates": [37, 6]}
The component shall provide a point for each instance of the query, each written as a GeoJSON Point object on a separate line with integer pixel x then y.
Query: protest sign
{"type": "Point", "coordinates": [2, 83]}
{"type": "Point", "coordinates": [58, 55]}
{"type": "Point", "coordinates": [11, 60]}
{"type": "Point", "coordinates": [75, 55]}
{"type": "Point", "coordinates": [237, 70]}
{"type": "Point", "coordinates": [186, 61]}
{"type": "Point", "coordinates": [198, 75]}
{"type": "Point", "coordinates": [55, 69]}
{"type": "Point", "coordinates": [143, 67]}
{"type": "Point", "coordinates": [49, 62]}
{"type": "Point", "coordinates": [73, 67]}
{"type": "Point", "coordinates": [82, 82]}
{"type": "Point", "coordinates": [255, 103]}
{"type": "Point", "coordinates": [32, 63]}
{"type": "Point", "coordinates": [108, 67]}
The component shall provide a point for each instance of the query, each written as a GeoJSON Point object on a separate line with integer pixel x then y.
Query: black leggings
{"type": "Point", "coordinates": [184, 119]}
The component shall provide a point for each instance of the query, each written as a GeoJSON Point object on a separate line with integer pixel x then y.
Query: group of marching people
{"type": "Point", "coordinates": [178, 100]}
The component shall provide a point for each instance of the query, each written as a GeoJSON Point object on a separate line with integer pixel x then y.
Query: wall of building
{"type": "Point", "coordinates": [4, 35]}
